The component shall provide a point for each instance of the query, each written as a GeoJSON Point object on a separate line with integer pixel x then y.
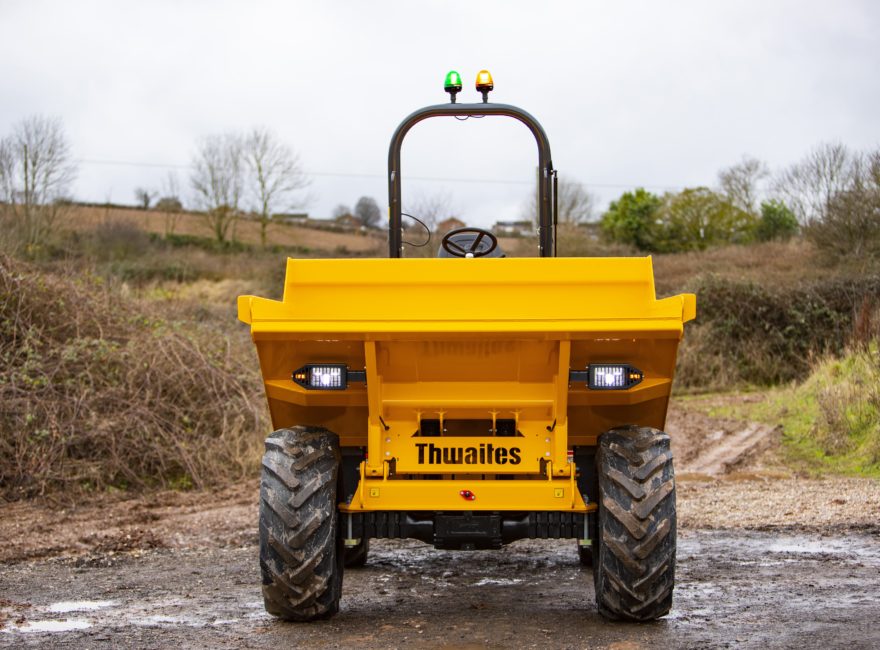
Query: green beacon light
{"type": "Point", "coordinates": [452, 85]}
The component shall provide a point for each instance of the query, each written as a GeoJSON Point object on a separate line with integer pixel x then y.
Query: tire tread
{"type": "Point", "coordinates": [635, 567]}
{"type": "Point", "coordinates": [300, 548]}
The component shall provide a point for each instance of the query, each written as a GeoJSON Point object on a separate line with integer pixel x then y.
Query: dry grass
{"type": "Point", "coordinates": [780, 264]}
{"type": "Point", "coordinates": [847, 393]}
{"type": "Point", "coordinates": [85, 219]}
{"type": "Point", "coordinates": [97, 392]}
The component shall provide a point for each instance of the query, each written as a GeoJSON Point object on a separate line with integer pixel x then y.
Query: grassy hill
{"type": "Point", "coordinates": [246, 231]}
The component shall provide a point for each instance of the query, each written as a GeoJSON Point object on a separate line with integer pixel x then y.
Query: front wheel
{"type": "Point", "coordinates": [634, 570]}
{"type": "Point", "coordinates": [301, 551]}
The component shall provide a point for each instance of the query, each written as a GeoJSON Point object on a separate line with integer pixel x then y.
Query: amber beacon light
{"type": "Point", "coordinates": [484, 84]}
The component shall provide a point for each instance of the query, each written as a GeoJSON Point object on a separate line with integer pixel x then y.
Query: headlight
{"type": "Point", "coordinates": [613, 376]}
{"type": "Point", "coordinates": [325, 376]}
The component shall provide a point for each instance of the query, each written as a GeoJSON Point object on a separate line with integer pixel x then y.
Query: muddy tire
{"type": "Point", "coordinates": [356, 556]}
{"type": "Point", "coordinates": [301, 552]}
{"type": "Point", "coordinates": [634, 571]}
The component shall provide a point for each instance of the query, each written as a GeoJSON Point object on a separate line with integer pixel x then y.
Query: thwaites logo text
{"type": "Point", "coordinates": [484, 454]}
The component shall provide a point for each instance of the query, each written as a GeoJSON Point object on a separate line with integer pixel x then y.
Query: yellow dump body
{"type": "Point", "coordinates": [468, 343]}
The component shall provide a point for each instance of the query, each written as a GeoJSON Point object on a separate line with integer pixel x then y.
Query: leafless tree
{"type": "Point", "coordinates": [576, 204]}
{"type": "Point", "coordinates": [36, 172]}
{"type": "Point", "coordinates": [340, 211]}
{"type": "Point", "coordinates": [367, 211]}
{"type": "Point", "coordinates": [430, 208]}
{"type": "Point", "coordinates": [850, 227]}
{"type": "Point", "coordinates": [809, 186]}
{"type": "Point", "coordinates": [273, 174]}
{"type": "Point", "coordinates": [422, 216]}
{"type": "Point", "coordinates": [144, 197]}
{"type": "Point", "coordinates": [218, 180]}
{"type": "Point", "coordinates": [741, 182]}
{"type": "Point", "coordinates": [169, 203]}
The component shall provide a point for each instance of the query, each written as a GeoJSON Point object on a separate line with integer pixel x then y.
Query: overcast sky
{"type": "Point", "coordinates": [656, 94]}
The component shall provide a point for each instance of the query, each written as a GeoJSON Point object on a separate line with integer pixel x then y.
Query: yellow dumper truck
{"type": "Point", "coordinates": [468, 400]}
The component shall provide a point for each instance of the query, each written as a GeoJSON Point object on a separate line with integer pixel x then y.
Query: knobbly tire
{"type": "Point", "coordinates": [634, 570]}
{"type": "Point", "coordinates": [301, 550]}
{"type": "Point", "coordinates": [356, 556]}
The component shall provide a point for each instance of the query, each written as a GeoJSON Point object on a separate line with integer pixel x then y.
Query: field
{"type": "Point", "coordinates": [117, 469]}
{"type": "Point", "coordinates": [190, 224]}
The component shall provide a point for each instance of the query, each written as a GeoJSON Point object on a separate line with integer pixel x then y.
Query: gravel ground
{"type": "Point", "coordinates": [822, 505]}
{"type": "Point", "coordinates": [736, 589]}
{"type": "Point", "coordinates": [228, 518]}
{"type": "Point", "coordinates": [765, 560]}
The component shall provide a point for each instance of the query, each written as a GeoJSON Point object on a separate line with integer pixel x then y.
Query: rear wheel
{"type": "Point", "coordinates": [634, 570]}
{"type": "Point", "coordinates": [301, 552]}
{"type": "Point", "coordinates": [356, 556]}
{"type": "Point", "coordinates": [585, 555]}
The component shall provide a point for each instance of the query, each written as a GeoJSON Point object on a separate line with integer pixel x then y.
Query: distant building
{"type": "Point", "coordinates": [348, 222]}
{"type": "Point", "coordinates": [291, 217]}
{"type": "Point", "coordinates": [514, 228]}
{"type": "Point", "coordinates": [450, 224]}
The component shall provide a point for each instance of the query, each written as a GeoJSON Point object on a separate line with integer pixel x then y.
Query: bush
{"type": "Point", "coordinates": [776, 222]}
{"type": "Point", "coordinates": [693, 219]}
{"type": "Point", "coordinates": [95, 393]}
{"type": "Point", "coordinates": [169, 204]}
{"type": "Point", "coordinates": [112, 241]}
{"type": "Point", "coordinates": [749, 334]}
{"type": "Point", "coordinates": [697, 218]}
{"type": "Point", "coordinates": [631, 220]}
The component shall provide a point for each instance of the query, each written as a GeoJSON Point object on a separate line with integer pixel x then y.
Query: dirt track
{"type": "Point", "coordinates": [765, 560]}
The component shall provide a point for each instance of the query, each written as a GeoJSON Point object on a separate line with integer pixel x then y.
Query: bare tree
{"type": "Point", "coordinates": [740, 183]}
{"type": "Point", "coordinates": [36, 171]}
{"type": "Point", "coordinates": [809, 186]}
{"type": "Point", "coordinates": [273, 172]}
{"type": "Point", "coordinates": [431, 208]}
{"type": "Point", "coordinates": [218, 180]}
{"type": "Point", "coordinates": [340, 211]}
{"type": "Point", "coordinates": [367, 211]}
{"type": "Point", "coordinates": [850, 227]}
{"type": "Point", "coordinates": [576, 204]}
{"type": "Point", "coordinates": [144, 197]}
{"type": "Point", "coordinates": [169, 203]}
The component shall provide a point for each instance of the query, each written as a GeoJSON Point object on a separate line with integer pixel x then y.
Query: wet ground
{"type": "Point", "coordinates": [766, 559]}
{"type": "Point", "coordinates": [734, 589]}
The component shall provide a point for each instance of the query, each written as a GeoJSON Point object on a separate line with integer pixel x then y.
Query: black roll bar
{"type": "Point", "coordinates": [546, 229]}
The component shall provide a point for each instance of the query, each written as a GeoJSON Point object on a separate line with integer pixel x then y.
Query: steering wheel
{"type": "Point", "coordinates": [483, 243]}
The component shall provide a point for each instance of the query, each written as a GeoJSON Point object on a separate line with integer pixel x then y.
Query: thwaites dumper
{"type": "Point", "coordinates": [468, 401]}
